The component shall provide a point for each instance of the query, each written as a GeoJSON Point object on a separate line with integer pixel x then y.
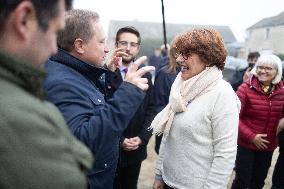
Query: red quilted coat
{"type": "Point", "coordinates": [260, 113]}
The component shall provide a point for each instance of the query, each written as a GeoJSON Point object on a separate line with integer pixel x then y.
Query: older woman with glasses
{"type": "Point", "coordinates": [262, 98]}
{"type": "Point", "coordinates": [200, 123]}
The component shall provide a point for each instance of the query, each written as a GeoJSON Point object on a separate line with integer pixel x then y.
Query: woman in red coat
{"type": "Point", "coordinates": [262, 98]}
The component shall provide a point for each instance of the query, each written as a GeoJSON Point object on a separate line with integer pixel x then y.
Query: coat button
{"type": "Point", "coordinates": [105, 165]}
{"type": "Point", "coordinates": [99, 100]}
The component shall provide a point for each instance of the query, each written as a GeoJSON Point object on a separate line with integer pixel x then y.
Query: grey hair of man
{"type": "Point", "coordinates": [78, 25]}
{"type": "Point", "coordinates": [272, 60]}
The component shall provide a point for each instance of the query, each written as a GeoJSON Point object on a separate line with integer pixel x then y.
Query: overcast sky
{"type": "Point", "coordinates": [238, 14]}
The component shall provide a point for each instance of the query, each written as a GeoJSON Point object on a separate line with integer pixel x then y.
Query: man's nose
{"type": "Point", "coordinates": [128, 46]}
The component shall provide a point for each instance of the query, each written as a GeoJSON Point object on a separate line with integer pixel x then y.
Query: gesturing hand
{"type": "Point", "coordinates": [247, 74]}
{"type": "Point", "coordinates": [134, 75]}
{"type": "Point", "coordinates": [260, 142]}
{"type": "Point", "coordinates": [116, 59]}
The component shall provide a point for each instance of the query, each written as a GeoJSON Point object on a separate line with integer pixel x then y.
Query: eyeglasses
{"type": "Point", "coordinates": [266, 69]}
{"type": "Point", "coordinates": [183, 57]}
{"type": "Point", "coordinates": [126, 44]}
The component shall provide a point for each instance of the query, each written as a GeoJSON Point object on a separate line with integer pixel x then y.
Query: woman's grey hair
{"type": "Point", "coordinates": [78, 25]}
{"type": "Point", "coordinates": [272, 60]}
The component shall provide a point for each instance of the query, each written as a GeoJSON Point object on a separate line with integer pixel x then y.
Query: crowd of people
{"type": "Point", "coordinates": [70, 118]}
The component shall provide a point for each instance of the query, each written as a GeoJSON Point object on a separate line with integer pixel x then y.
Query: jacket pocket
{"type": "Point", "coordinates": [100, 166]}
{"type": "Point", "coordinates": [103, 171]}
{"type": "Point", "coordinates": [105, 162]}
{"type": "Point", "coordinates": [97, 101]}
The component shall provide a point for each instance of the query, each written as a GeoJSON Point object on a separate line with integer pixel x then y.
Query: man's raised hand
{"type": "Point", "coordinates": [134, 75]}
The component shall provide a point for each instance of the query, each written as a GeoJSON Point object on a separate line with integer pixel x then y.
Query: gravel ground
{"type": "Point", "coordinates": [147, 170]}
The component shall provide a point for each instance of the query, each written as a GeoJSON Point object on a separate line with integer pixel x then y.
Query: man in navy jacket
{"type": "Point", "coordinates": [75, 84]}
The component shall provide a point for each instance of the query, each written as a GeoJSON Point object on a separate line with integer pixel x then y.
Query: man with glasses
{"type": "Point", "coordinates": [136, 136]}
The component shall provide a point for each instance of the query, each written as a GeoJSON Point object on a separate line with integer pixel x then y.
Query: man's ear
{"type": "Point", "coordinates": [79, 46]}
{"type": "Point", "coordinates": [24, 19]}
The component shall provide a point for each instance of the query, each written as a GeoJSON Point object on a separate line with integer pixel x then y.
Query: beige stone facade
{"type": "Point", "coordinates": [265, 39]}
{"type": "Point", "coordinates": [267, 35]}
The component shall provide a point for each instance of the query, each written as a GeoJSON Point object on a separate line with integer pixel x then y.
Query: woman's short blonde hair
{"type": "Point", "coordinates": [207, 43]}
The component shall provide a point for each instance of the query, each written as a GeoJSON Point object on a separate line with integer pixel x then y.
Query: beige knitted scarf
{"type": "Point", "coordinates": [182, 93]}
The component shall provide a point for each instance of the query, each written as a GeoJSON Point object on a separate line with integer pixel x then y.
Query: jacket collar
{"type": "Point", "coordinates": [25, 75]}
{"type": "Point", "coordinates": [91, 72]}
{"type": "Point", "coordinates": [254, 83]}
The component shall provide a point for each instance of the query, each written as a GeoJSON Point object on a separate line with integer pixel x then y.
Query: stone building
{"type": "Point", "coordinates": [266, 36]}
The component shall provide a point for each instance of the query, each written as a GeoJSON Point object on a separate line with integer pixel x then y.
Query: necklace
{"type": "Point", "coordinates": [267, 89]}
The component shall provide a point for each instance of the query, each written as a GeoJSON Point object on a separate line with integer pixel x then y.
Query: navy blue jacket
{"type": "Point", "coordinates": [76, 89]}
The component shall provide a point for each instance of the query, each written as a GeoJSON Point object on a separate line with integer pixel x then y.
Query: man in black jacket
{"type": "Point", "coordinates": [136, 136]}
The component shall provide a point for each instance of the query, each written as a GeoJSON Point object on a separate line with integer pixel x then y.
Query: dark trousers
{"type": "Point", "coordinates": [251, 168]}
{"type": "Point", "coordinates": [278, 173]}
{"type": "Point", "coordinates": [127, 177]}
